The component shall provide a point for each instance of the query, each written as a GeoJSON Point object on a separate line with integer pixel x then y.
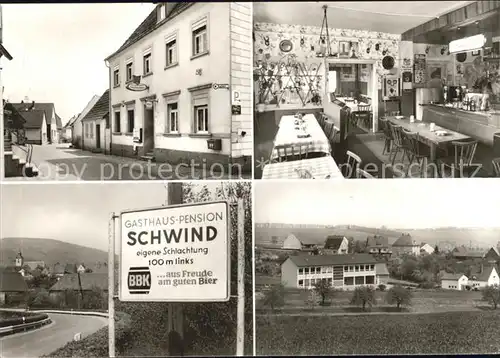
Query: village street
{"type": "Point", "coordinates": [49, 338]}
{"type": "Point", "coordinates": [59, 162]}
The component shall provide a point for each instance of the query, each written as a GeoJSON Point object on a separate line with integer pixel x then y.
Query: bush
{"type": "Point", "coordinates": [382, 287]}
{"type": "Point", "coordinates": [363, 296]}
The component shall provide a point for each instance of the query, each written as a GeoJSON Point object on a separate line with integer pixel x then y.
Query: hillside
{"type": "Point", "coordinates": [48, 250]}
{"type": "Point", "coordinates": [476, 237]}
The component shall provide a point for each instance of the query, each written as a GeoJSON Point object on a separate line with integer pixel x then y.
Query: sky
{"type": "Point", "coordinates": [401, 204]}
{"type": "Point", "coordinates": [74, 213]}
{"type": "Point", "coordinates": [59, 50]}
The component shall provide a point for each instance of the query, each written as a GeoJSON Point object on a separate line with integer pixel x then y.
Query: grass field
{"type": "Point", "coordinates": [451, 332]}
{"type": "Point", "coordinates": [424, 300]}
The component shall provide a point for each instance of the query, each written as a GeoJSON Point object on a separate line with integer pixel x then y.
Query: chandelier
{"type": "Point", "coordinates": [324, 36]}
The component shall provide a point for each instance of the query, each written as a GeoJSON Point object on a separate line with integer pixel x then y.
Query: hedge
{"type": "Point", "coordinates": [28, 318]}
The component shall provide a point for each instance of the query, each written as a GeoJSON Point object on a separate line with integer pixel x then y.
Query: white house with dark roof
{"type": "Point", "coordinates": [43, 125]}
{"type": "Point", "coordinates": [96, 131]}
{"type": "Point", "coordinates": [426, 249]}
{"type": "Point", "coordinates": [76, 123]}
{"type": "Point", "coordinates": [378, 245]}
{"type": "Point", "coordinates": [488, 276]}
{"type": "Point", "coordinates": [340, 271]}
{"type": "Point", "coordinates": [180, 86]}
{"type": "Point", "coordinates": [454, 281]}
{"type": "Point", "coordinates": [336, 244]}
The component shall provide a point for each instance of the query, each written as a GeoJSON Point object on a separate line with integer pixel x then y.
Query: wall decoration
{"type": "Point", "coordinates": [344, 49]}
{"type": "Point", "coordinates": [420, 69]}
{"type": "Point", "coordinates": [407, 81]}
{"type": "Point", "coordinates": [391, 87]}
{"type": "Point", "coordinates": [286, 46]}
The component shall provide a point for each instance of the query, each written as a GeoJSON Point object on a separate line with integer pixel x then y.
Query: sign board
{"type": "Point", "coordinates": [176, 254]}
{"type": "Point", "coordinates": [136, 135]}
{"type": "Point", "coordinates": [467, 44]}
{"type": "Point", "coordinates": [236, 97]}
{"type": "Point", "coordinates": [217, 86]}
{"type": "Point", "coordinates": [236, 110]}
{"type": "Point", "coordinates": [136, 87]}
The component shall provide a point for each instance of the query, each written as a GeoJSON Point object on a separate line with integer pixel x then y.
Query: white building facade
{"type": "Point", "coordinates": [194, 62]}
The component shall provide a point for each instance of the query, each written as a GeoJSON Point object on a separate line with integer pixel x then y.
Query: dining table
{"type": "Point", "coordinates": [430, 137]}
{"type": "Point", "coordinates": [295, 135]}
{"type": "Point", "coordinates": [314, 168]}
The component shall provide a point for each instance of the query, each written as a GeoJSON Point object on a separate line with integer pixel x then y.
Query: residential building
{"type": "Point", "coordinates": [463, 253]}
{"type": "Point", "coordinates": [426, 249]}
{"type": "Point", "coordinates": [5, 144]}
{"type": "Point", "coordinates": [79, 283]}
{"type": "Point", "coordinates": [67, 131]}
{"type": "Point", "coordinates": [76, 124]}
{"type": "Point", "coordinates": [341, 271]}
{"type": "Point", "coordinates": [292, 242]}
{"type": "Point", "coordinates": [492, 255]}
{"type": "Point", "coordinates": [378, 245]}
{"type": "Point", "coordinates": [454, 281]}
{"type": "Point", "coordinates": [382, 274]}
{"type": "Point", "coordinates": [11, 284]}
{"type": "Point", "coordinates": [52, 124]}
{"type": "Point", "coordinates": [488, 276]}
{"type": "Point", "coordinates": [180, 86]}
{"type": "Point", "coordinates": [31, 265]}
{"type": "Point", "coordinates": [405, 245]}
{"type": "Point", "coordinates": [96, 131]}
{"type": "Point", "coordinates": [336, 244]}
{"type": "Point", "coordinates": [81, 268]}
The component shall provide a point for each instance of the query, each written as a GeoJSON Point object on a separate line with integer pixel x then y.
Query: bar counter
{"type": "Point", "coordinates": [484, 126]}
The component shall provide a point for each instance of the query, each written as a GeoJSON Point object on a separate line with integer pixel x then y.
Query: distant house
{"type": "Point", "coordinates": [378, 245]}
{"type": "Point", "coordinates": [78, 283]}
{"type": "Point", "coordinates": [487, 276]}
{"type": "Point", "coordinates": [76, 124]}
{"type": "Point", "coordinates": [341, 271]}
{"type": "Point", "coordinates": [96, 130]}
{"type": "Point", "coordinates": [81, 268]}
{"type": "Point", "coordinates": [382, 273]}
{"type": "Point", "coordinates": [11, 283]}
{"type": "Point", "coordinates": [52, 124]}
{"type": "Point", "coordinates": [462, 253]}
{"type": "Point", "coordinates": [336, 244]}
{"type": "Point", "coordinates": [293, 243]}
{"type": "Point", "coordinates": [426, 249]}
{"type": "Point", "coordinates": [492, 255]}
{"type": "Point", "coordinates": [405, 245]}
{"type": "Point", "coordinates": [67, 131]}
{"type": "Point", "coordinates": [453, 281]}
{"type": "Point", "coordinates": [58, 270]}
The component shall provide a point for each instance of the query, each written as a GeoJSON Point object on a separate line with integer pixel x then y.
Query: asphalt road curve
{"type": "Point", "coordinates": [47, 339]}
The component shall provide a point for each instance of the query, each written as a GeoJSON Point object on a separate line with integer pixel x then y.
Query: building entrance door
{"type": "Point", "coordinates": [149, 130]}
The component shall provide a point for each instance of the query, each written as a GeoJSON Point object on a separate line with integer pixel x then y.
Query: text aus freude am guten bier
{"type": "Point", "coordinates": [180, 249]}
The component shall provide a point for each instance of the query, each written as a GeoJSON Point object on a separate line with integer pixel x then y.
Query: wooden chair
{"type": "Point", "coordinates": [416, 152]}
{"type": "Point", "coordinates": [328, 129]}
{"type": "Point", "coordinates": [398, 141]}
{"type": "Point", "coordinates": [363, 115]}
{"type": "Point", "coordinates": [496, 166]}
{"type": "Point", "coordinates": [353, 163]}
{"type": "Point", "coordinates": [461, 162]}
{"type": "Point", "coordinates": [321, 119]}
{"type": "Point", "coordinates": [362, 174]}
{"type": "Point", "coordinates": [387, 134]}
{"type": "Point", "coordinates": [332, 138]}
{"type": "Point", "coordinates": [295, 151]}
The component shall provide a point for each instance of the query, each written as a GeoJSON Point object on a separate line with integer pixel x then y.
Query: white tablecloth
{"type": "Point", "coordinates": [319, 168]}
{"type": "Point", "coordinates": [287, 135]}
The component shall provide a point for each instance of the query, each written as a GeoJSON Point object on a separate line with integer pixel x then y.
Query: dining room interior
{"type": "Point", "coordinates": [376, 89]}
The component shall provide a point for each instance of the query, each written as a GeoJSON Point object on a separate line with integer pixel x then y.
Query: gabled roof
{"type": "Point", "coordinates": [58, 269]}
{"type": "Point", "coordinates": [404, 240]}
{"type": "Point", "coordinates": [34, 119]}
{"type": "Point", "coordinates": [88, 281]}
{"type": "Point", "coordinates": [468, 253]}
{"type": "Point", "coordinates": [86, 110]}
{"type": "Point", "coordinates": [377, 241]}
{"type": "Point", "coordinates": [451, 276]}
{"type": "Point", "coordinates": [333, 242]}
{"type": "Point", "coordinates": [100, 109]}
{"type": "Point", "coordinates": [12, 282]}
{"type": "Point", "coordinates": [325, 260]}
{"type": "Point", "coordinates": [48, 108]}
{"type": "Point", "coordinates": [150, 24]}
{"type": "Point", "coordinates": [4, 52]}
{"type": "Point", "coordinates": [485, 275]}
{"type": "Point", "coordinates": [381, 269]}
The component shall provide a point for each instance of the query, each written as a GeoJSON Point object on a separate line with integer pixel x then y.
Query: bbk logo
{"type": "Point", "coordinates": [139, 280]}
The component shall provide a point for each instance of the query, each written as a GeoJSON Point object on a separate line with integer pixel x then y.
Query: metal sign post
{"type": "Point", "coordinates": [111, 286]}
{"type": "Point", "coordinates": [240, 329]}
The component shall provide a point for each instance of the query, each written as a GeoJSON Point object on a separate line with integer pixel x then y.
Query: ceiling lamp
{"type": "Point", "coordinates": [324, 36]}
{"type": "Point", "coordinates": [466, 44]}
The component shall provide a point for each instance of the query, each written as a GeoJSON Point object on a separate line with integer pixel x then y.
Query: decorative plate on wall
{"type": "Point", "coordinates": [388, 62]}
{"type": "Point", "coordinates": [286, 46]}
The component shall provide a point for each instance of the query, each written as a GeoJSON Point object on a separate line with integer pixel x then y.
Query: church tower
{"type": "Point", "coordinates": [19, 259]}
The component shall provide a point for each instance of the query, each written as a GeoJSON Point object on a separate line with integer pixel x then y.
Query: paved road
{"type": "Point", "coordinates": [49, 338]}
{"type": "Point", "coordinates": [58, 162]}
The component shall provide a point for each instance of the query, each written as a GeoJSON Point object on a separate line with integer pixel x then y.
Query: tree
{"type": "Point", "coordinates": [491, 294]}
{"type": "Point", "coordinates": [399, 295]}
{"type": "Point", "coordinates": [362, 296]}
{"type": "Point", "coordinates": [312, 299]}
{"type": "Point", "coordinates": [324, 289]}
{"type": "Point", "coordinates": [274, 297]}
{"type": "Point", "coordinates": [436, 250]}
